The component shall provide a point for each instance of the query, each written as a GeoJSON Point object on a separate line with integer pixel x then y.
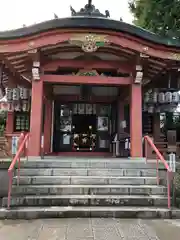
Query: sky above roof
{"type": "Point", "coordinates": [15, 13]}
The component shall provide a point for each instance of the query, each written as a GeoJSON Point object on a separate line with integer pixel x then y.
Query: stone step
{"type": "Point", "coordinates": [86, 172]}
{"type": "Point", "coordinates": [87, 200]}
{"type": "Point", "coordinates": [88, 189]}
{"type": "Point", "coordinates": [70, 211]}
{"type": "Point", "coordinates": [89, 163]}
{"type": "Point", "coordinates": [33, 180]}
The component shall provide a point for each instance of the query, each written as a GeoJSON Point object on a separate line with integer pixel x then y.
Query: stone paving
{"type": "Point", "coordinates": [90, 229]}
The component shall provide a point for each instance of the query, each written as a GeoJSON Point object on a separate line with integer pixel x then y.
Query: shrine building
{"type": "Point", "coordinates": [77, 83]}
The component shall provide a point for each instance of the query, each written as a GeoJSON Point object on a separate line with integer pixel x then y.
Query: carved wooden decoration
{"type": "Point", "coordinates": [84, 72]}
{"type": "Point", "coordinates": [89, 43]}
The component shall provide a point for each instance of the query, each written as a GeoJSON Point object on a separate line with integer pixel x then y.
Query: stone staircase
{"type": "Point", "coordinates": [87, 187]}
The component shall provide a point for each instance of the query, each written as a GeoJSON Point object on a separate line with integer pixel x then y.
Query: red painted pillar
{"type": "Point", "coordinates": [47, 125]}
{"type": "Point", "coordinates": [10, 123]}
{"type": "Point", "coordinates": [136, 120]}
{"type": "Point", "coordinates": [34, 148]}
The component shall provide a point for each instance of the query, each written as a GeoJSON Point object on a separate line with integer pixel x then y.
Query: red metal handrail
{"type": "Point", "coordinates": [160, 157]}
{"type": "Point", "coordinates": [22, 145]}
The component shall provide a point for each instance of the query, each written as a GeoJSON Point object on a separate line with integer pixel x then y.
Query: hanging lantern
{"type": "Point", "coordinates": [9, 94]}
{"type": "Point", "coordinates": [147, 97]}
{"type": "Point", "coordinates": [24, 93]}
{"type": "Point", "coordinates": [168, 97]}
{"type": "Point", "coordinates": [155, 97]}
{"type": "Point", "coordinates": [17, 107]}
{"type": "Point", "coordinates": [175, 97]}
{"type": "Point", "coordinates": [10, 107]}
{"type": "Point", "coordinates": [25, 106]}
{"type": "Point", "coordinates": [161, 97]}
{"type": "Point", "coordinates": [16, 94]}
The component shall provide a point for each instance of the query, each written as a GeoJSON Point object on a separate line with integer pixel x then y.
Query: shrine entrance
{"type": "Point", "coordinates": [84, 130]}
{"type": "Point", "coordinates": [82, 127]}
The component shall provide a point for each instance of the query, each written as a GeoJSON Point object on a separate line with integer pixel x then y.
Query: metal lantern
{"type": "Point", "coordinates": [175, 97]}
{"type": "Point", "coordinates": [16, 94]}
{"type": "Point", "coordinates": [161, 97]}
{"type": "Point", "coordinates": [168, 97]}
{"type": "Point", "coordinates": [9, 94]}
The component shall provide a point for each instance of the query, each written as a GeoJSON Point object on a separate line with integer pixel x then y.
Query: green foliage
{"type": "Point", "coordinates": [158, 16]}
{"type": "Point", "coordinates": [3, 116]}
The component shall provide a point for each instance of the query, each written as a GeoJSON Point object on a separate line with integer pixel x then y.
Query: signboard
{"type": "Point", "coordinates": [14, 146]}
{"type": "Point", "coordinates": [172, 162]}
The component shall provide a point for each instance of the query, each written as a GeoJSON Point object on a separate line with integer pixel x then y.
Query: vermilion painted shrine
{"type": "Point", "coordinates": [79, 81]}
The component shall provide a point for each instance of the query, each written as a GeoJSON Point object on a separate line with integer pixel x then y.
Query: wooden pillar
{"type": "Point", "coordinates": [47, 125]}
{"type": "Point", "coordinates": [136, 120]}
{"type": "Point", "coordinates": [34, 148]}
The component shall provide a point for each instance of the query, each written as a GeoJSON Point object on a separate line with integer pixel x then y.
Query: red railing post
{"type": "Point", "coordinates": [157, 170]}
{"type": "Point", "coordinates": [159, 157]}
{"type": "Point", "coordinates": [146, 149]}
{"type": "Point", "coordinates": [15, 159]}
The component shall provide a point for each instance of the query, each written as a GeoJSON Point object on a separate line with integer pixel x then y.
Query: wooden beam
{"type": "Point", "coordinates": [53, 65]}
{"type": "Point", "coordinates": [95, 80]}
{"type": "Point", "coordinates": [12, 72]}
{"type": "Point", "coordinates": [56, 37]}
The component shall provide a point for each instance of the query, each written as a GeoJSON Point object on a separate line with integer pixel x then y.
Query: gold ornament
{"type": "Point", "coordinates": [89, 43]}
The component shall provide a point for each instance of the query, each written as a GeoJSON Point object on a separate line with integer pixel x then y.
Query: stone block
{"type": "Point", "coordinates": [69, 172]}
{"type": "Point", "coordinates": [99, 190]}
{"type": "Point", "coordinates": [126, 181]}
{"type": "Point", "coordinates": [35, 172]}
{"type": "Point", "coordinates": [89, 180]}
{"type": "Point", "coordinates": [119, 190]}
{"type": "Point", "coordinates": [51, 180]}
{"type": "Point", "coordinates": [132, 172]}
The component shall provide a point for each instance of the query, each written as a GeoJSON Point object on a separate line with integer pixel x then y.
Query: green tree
{"type": "Point", "coordinates": [159, 16]}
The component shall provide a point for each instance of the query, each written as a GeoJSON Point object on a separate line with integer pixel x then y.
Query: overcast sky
{"type": "Point", "coordinates": [15, 13]}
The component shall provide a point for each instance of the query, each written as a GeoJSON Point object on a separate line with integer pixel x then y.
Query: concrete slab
{"type": "Point", "coordinates": [89, 229]}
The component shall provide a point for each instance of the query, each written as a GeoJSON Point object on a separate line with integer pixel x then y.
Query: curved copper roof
{"type": "Point", "coordinates": [88, 22]}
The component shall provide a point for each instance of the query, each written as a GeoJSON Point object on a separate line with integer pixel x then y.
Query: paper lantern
{"type": "Point", "coordinates": [9, 94]}
{"type": "Point", "coordinates": [175, 97]}
{"type": "Point", "coordinates": [147, 97]}
{"type": "Point", "coordinates": [24, 93]}
{"type": "Point", "coordinates": [17, 107]}
{"type": "Point", "coordinates": [168, 97]}
{"type": "Point", "coordinates": [16, 94]}
{"type": "Point", "coordinates": [161, 97]}
{"type": "Point", "coordinates": [155, 97]}
{"type": "Point", "coordinates": [25, 106]}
